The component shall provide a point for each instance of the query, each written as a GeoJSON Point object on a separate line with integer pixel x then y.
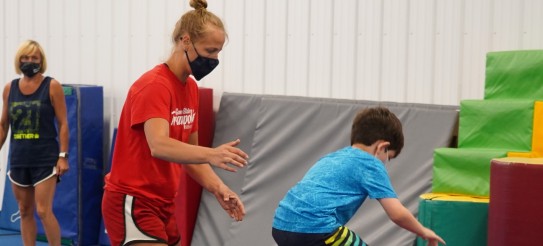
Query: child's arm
{"type": "Point", "coordinates": [403, 218]}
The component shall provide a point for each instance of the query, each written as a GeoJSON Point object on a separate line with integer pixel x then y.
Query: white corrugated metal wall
{"type": "Point", "coordinates": [416, 51]}
{"type": "Point", "coordinates": [421, 51]}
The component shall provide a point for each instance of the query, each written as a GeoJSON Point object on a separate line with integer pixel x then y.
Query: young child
{"type": "Point", "coordinates": [315, 210]}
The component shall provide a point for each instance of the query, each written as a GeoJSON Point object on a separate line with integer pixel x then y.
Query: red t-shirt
{"type": "Point", "coordinates": [156, 94]}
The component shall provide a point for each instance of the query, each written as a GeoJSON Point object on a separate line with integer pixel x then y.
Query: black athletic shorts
{"type": "Point", "coordinates": [31, 176]}
{"type": "Point", "coordinates": [341, 236]}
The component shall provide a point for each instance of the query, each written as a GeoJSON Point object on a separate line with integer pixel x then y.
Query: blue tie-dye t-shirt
{"type": "Point", "coordinates": [331, 192]}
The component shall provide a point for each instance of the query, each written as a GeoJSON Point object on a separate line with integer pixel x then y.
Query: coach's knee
{"type": "Point", "coordinates": [26, 211]}
{"type": "Point", "coordinates": [44, 212]}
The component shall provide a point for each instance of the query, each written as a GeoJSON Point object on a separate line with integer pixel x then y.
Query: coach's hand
{"type": "Point", "coordinates": [230, 202]}
{"type": "Point", "coordinates": [228, 154]}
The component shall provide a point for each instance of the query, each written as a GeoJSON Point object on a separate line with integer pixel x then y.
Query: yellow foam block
{"type": "Point", "coordinates": [453, 197]}
{"type": "Point", "coordinates": [523, 160]}
{"type": "Point", "coordinates": [537, 135]}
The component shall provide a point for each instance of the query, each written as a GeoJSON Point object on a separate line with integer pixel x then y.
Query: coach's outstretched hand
{"type": "Point", "coordinates": [230, 202]}
{"type": "Point", "coordinates": [228, 154]}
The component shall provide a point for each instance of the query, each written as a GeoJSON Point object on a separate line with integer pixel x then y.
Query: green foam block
{"type": "Point", "coordinates": [514, 74]}
{"type": "Point", "coordinates": [496, 124]}
{"type": "Point", "coordinates": [463, 171]}
{"type": "Point", "coordinates": [458, 221]}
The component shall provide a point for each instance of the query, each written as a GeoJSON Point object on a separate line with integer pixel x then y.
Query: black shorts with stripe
{"type": "Point", "coordinates": [342, 236]}
{"type": "Point", "coordinates": [31, 176]}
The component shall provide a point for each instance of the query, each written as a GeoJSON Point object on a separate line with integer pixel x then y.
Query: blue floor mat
{"type": "Point", "coordinates": [14, 239]}
{"type": "Point", "coordinates": [8, 237]}
{"type": "Point", "coordinates": [8, 232]}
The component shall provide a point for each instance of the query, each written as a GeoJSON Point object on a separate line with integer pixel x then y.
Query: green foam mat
{"type": "Point", "coordinates": [463, 171]}
{"type": "Point", "coordinates": [459, 220]}
{"type": "Point", "coordinates": [514, 74]}
{"type": "Point", "coordinates": [496, 124]}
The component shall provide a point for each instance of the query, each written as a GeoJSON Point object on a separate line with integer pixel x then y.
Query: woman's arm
{"type": "Point", "coordinates": [4, 120]}
{"type": "Point", "coordinates": [172, 150]}
{"type": "Point", "coordinates": [208, 179]}
{"type": "Point", "coordinates": [58, 101]}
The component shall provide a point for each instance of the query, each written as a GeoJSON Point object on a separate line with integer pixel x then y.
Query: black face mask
{"type": "Point", "coordinates": [201, 66]}
{"type": "Point", "coordinates": [30, 69]}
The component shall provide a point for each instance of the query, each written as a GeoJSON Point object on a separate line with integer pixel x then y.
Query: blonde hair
{"type": "Point", "coordinates": [194, 22]}
{"type": "Point", "coordinates": [26, 48]}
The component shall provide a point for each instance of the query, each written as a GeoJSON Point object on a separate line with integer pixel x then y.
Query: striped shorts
{"type": "Point", "coordinates": [340, 237]}
{"type": "Point", "coordinates": [344, 236]}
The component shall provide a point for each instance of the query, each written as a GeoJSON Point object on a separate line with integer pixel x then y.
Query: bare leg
{"type": "Point", "coordinates": [25, 200]}
{"type": "Point", "coordinates": [44, 193]}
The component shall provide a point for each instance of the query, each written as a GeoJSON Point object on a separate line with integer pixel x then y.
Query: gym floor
{"type": "Point", "coordinates": [14, 238]}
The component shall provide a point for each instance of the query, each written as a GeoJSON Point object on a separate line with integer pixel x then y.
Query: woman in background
{"type": "Point", "coordinates": [30, 106]}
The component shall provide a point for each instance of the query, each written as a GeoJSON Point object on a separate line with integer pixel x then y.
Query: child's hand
{"type": "Point", "coordinates": [432, 238]}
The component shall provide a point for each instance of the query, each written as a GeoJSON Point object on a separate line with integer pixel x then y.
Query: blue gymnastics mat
{"type": "Point", "coordinates": [8, 237]}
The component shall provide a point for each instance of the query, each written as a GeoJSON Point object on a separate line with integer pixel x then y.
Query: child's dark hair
{"type": "Point", "coordinates": [377, 123]}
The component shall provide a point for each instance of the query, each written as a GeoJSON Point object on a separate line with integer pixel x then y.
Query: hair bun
{"type": "Point", "coordinates": [198, 4]}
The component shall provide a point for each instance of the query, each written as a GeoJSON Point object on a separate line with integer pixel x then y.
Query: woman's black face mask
{"type": "Point", "coordinates": [30, 69]}
{"type": "Point", "coordinates": [201, 66]}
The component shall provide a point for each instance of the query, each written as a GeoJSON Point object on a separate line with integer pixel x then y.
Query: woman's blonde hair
{"type": "Point", "coordinates": [194, 22]}
{"type": "Point", "coordinates": [26, 48]}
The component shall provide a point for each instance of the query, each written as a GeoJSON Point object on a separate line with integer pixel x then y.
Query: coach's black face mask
{"type": "Point", "coordinates": [30, 69]}
{"type": "Point", "coordinates": [201, 66]}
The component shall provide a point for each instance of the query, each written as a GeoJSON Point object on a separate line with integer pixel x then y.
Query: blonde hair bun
{"type": "Point", "coordinates": [198, 4]}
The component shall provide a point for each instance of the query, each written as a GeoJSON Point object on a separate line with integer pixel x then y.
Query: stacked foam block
{"type": "Point", "coordinates": [507, 123]}
{"type": "Point", "coordinates": [516, 198]}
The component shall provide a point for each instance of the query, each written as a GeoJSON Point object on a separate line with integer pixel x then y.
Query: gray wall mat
{"type": "Point", "coordinates": [284, 136]}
